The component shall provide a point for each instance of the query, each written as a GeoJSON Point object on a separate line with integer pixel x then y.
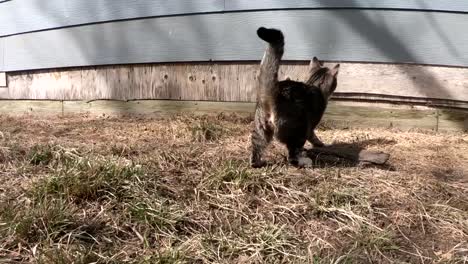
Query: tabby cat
{"type": "Point", "coordinates": [288, 110]}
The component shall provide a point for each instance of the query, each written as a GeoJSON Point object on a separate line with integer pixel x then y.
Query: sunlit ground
{"type": "Point", "coordinates": [180, 190]}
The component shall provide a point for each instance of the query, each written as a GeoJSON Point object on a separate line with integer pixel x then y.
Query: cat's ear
{"type": "Point", "coordinates": [335, 70]}
{"type": "Point", "coordinates": [315, 63]}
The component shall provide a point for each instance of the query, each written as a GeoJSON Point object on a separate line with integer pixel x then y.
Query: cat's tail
{"type": "Point", "coordinates": [268, 75]}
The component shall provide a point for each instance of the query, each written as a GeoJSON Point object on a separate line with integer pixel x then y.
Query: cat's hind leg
{"type": "Point", "coordinates": [296, 157]}
{"type": "Point", "coordinates": [259, 140]}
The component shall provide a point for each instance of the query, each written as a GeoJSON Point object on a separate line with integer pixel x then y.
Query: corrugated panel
{"type": "Point", "coordinates": [28, 15]}
{"type": "Point", "coordinates": [79, 11]}
{"type": "Point", "coordinates": [348, 35]}
{"type": "Point", "coordinates": [21, 16]}
{"type": "Point", "coordinates": [32, 15]}
{"type": "Point", "coordinates": [186, 38]}
{"type": "Point", "coordinates": [435, 5]}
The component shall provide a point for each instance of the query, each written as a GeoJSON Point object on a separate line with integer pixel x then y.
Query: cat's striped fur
{"type": "Point", "coordinates": [288, 110]}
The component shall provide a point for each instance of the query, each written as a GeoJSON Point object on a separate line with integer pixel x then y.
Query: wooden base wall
{"type": "Point", "coordinates": [235, 82]}
{"type": "Point", "coordinates": [341, 114]}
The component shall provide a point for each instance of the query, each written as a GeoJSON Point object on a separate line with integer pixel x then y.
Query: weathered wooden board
{"type": "Point", "coordinates": [2, 51]}
{"type": "Point", "coordinates": [236, 82]}
{"type": "Point", "coordinates": [3, 82]}
{"type": "Point", "coordinates": [434, 5]}
{"type": "Point", "coordinates": [405, 80]}
{"type": "Point", "coordinates": [368, 116]}
{"type": "Point", "coordinates": [338, 114]}
{"type": "Point", "coordinates": [21, 16]}
{"type": "Point", "coordinates": [4, 93]}
{"type": "Point", "coordinates": [161, 107]}
{"type": "Point", "coordinates": [402, 100]}
{"type": "Point", "coordinates": [452, 120]}
{"type": "Point", "coordinates": [20, 107]}
{"type": "Point", "coordinates": [331, 34]}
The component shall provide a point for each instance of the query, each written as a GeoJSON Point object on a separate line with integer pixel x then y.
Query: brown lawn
{"type": "Point", "coordinates": [179, 190]}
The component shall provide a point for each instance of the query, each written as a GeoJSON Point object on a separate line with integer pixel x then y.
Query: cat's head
{"type": "Point", "coordinates": [323, 77]}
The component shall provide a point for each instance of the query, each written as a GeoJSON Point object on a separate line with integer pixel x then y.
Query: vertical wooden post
{"type": "Point", "coordinates": [3, 82]}
{"type": "Point", "coordinates": [3, 86]}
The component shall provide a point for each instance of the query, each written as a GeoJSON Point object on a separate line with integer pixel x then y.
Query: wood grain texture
{"type": "Point", "coordinates": [341, 35]}
{"type": "Point", "coordinates": [22, 107]}
{"type": "Point", "coordinates": [2, 51]}
{"type": "Point", "coordinates": [382, 98]}
{"type": "Point", "coordinates": [452, 119]}
{"type": "Point", "coordinates": [434, 5]}
{"type": "Point", "coordinates": [342, 114]}
{"type": "Point", "coordinates": [237, 82]}
{"type": "Point", "coordinates": [405, 81]}
{"type": "Point", "coordinates": [21, 16]}
{"type": "Point", "coordinates": [4, 93]}
{"type": "Point", "coordinates": [3, 82]}
{"type": "Point", "coordinates": [369, 116]}
{"type": "Point", "coordinates": [338, 114]}
{"type": "Point", "coordinates": [162, 107]}
{"type": "Point", "coordinates": [437, 86]}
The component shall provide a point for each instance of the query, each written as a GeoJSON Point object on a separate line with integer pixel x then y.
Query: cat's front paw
{"type": "Point", "coordinates": [258, 164]}
{"type": "Point", "coordinates": [304, 162]}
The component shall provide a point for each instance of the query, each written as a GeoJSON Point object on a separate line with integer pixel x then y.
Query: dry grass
{"type": "Point", "coordinates": [179, 190]}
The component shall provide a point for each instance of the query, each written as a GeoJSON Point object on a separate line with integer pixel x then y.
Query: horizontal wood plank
{"type": "Point", "coordinates": [410, 84]}
{"type": "Point", "coordinates": [3, 82]}
{"type": "Point", "coordinates": [4, 93]}
{"type": "Point", "coordinates": [338, 114]}
{"type": "Point", "coordinates": [2, 51]}
{"type": "Point", "coordinates": [403, 100]}
{"type": "Point", "coordinates": [452, 120]}
{"type": "Point", "coordinates": [155, 107]}
{"type": "Point", "coordinates": [19, 107]}
{"type": "Point", "coordinates": [340, 35]}
{"type": "Point", "coordinates": [349, 115]}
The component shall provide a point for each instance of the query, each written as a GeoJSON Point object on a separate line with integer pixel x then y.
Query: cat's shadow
{"type": "Point", "coordinates": [342, 154]}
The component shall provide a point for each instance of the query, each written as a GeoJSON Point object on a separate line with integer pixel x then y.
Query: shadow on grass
{"type": "Point", "coordinates": [354, 154]}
